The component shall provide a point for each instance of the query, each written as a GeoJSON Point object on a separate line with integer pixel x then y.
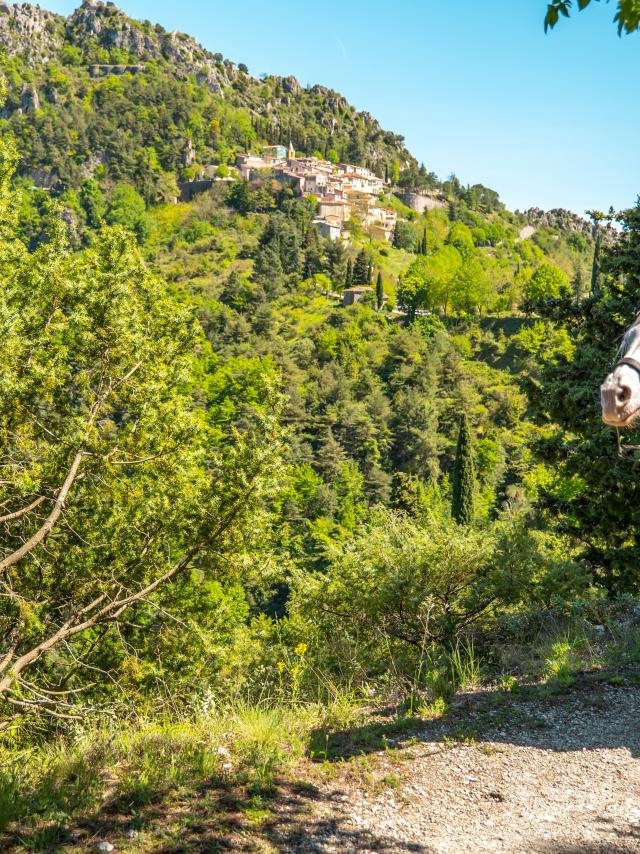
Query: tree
{"type": "Point", "coordinates": [627, 16]}
{"type": "Point", "coordinates": [594, 495]}
{"type": "Point", "coordinates": [379, 292]}
{"type": "Point", "coordinates": [460, 237]}
{"type": "Point", "coordinates": [429, 281]}
{"type": "Point", "coordinates": [577, 282]}
{"type": "Point", "coordinates": [404, 236]}
{"type": "Point", "coordinates": [93, 203]}
{"type": "Point", "coordinates": [126, 207]}
{"type": "Point", "coordinates": [463, 485]}
{"type": "Point", "coordinates": [548, 282]}
{"type": "Point", "coordinates": [361, 269]}
{"type": "Point", "coordinates": [348, 276]}
{"type": "Point", "coordinates": [399, 584]}
{"type": "Point", "coordinates": [114, 480]}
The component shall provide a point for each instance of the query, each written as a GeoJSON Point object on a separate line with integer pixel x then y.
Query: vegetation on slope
{"type": "Point", "coordinates": [220, 482]}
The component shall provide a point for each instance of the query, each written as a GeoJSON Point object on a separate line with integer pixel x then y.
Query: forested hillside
{"type": "Point", "coordinates": [226, 488]}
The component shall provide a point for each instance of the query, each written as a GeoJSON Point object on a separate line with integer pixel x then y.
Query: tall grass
{"type": "Point", "coordinates": [465, 666]}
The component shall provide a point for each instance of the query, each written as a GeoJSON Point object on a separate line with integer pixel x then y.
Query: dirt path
{"type": "Point", "coordinates": [556, 777]}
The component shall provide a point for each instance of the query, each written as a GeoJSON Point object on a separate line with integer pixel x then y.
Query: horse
{"type": "Point", "coordinates": [620, 392]}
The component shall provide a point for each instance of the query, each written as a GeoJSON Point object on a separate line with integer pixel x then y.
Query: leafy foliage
{"type": "Point", "coordinates": [627, 14]}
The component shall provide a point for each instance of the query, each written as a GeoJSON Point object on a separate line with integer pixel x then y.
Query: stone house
{"type": "Point", "coordinates": [249, 164]}
{"type": "Point", "coordinates": [382, 221]}
{"type": "Point", "coordinates": [336, 208]}
{"type": "Point", "coordinates": [362, 183]}
{"type": "Point", "coordinates": [353, 295]}
{"type": "Point", "coordinates": [331, 229]}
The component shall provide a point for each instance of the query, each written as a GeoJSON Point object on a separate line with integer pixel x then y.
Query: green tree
{"type": "Point", "coordinates": [348, 276]}
{"type": "Point", "coordinates": [463, 481]}
{"type": "Point", "coordinates": [361, 269]}
{"type": "Point", "coordinates": [126, 207]}
{"type": "Point", "coordinates": [548, 282]}
{"type": "Point", "coordinates": [429, 282]}
{"type": "Point", "coordinates": [401, 583]}
{"type": "Point", "coordinates": [93, 203]}
{"type": "Point", "coordinates": [114, 480]}
{"type": "Point", "coordinates": [379, 292]}
{"type": "Point", "coordinates": [404, 236]}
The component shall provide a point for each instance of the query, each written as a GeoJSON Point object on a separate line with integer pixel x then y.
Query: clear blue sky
{"type": "Point", "coordinates": [552, 121]}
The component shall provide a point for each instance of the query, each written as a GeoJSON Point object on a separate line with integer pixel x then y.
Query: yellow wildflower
{"type": "Point", "coordinates": [280, 665]}
{"type": "Point", "coordinates": [301, 649]}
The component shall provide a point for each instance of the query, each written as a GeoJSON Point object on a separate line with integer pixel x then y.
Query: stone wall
{"type": "Point", "coordinates": [420, 202]}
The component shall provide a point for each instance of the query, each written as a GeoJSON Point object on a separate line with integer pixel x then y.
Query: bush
{"type": "Point", "coordinates": [402, 585]}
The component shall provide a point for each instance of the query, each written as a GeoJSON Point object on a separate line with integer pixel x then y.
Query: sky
{"type": "Point", "coordinates": [476, 88]}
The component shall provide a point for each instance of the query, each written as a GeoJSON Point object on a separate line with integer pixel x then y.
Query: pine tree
{"type": "Point", "coordinates": [379, 292]}
{"type": "Point", "coordinates": [463, 477]}
{"type": "Point", "coordinates": [361, 269]}
{"type": "Point", "coordinates": [348, 276]}
{"type": "Point", "coordinates": [577, 283]}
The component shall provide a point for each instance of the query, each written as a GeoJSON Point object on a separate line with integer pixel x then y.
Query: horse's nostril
{"type": "Point", "coordinates": [623, 394]}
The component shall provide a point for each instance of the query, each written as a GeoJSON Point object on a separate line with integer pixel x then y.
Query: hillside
{"type": "Point", "coordinates": [301, 464]}
{"type": "Point", "coordinates": [111, 115]}
{"type": "Point", "coordinates": [100, 94]}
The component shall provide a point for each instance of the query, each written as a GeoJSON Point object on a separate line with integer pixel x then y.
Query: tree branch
{"type": "Point", "coordinates": [111, 611]}
{"type": "Point", "coordinates": [51, 519]}
{"type": "Point", "coordinates": [18, 513]}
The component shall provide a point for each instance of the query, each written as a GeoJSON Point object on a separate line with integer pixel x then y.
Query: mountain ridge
{"type": "Point", "coordinates": [55, 64]}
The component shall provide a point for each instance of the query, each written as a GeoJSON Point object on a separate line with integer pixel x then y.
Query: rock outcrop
{"type": "Point", "coordinates": [40, 36]}
{"type": "Point", "coordinates": [30, 31]}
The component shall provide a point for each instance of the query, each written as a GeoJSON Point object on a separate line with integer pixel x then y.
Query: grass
{"type": "Point", "coordinates": [225, 768]}
{"type": "Point", "coordinates": [132, 767]}
{"type": "Point", "coordinates": [465, 666]}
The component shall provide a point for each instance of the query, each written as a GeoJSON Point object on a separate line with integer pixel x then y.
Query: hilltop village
{"type": "Point", "coordinates": [343, 190]}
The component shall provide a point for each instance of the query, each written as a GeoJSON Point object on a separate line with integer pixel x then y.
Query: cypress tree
{"type": "Point", "coordinates": [370, 273]}
{"type": "Point", "coordinates": [463, 477]}
{"type": "Point", "coordinates": [361, 269]}
{"type": "Point", "coordinates": [424, 242]}
{"type": "Point", "coordinates": [379, 292]}
{"type": "Point", "coordinates": [595, 269]}
{"type": "Point", "coordinates": [348, 276]}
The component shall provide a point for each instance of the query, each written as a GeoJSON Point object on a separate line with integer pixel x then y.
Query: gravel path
{"type": "Point", "coordinates": [564, 779]}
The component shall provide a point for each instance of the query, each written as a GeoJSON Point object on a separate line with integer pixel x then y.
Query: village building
{"type": "Point", "coordinates": [287, 176]}
{"type": "Point", "coordinates": [249, 164]}
{"type": "Point", "coordinates": [382, 221]}
{"type": "Point", "coordinates": [275, 152]}
{"type": "Point", "coordinates": [329, 228]}
{"type": "Point", "coordinates": [315, 184]}
{"type": "Point", "coordinates": [363, 183]}
{"type": "Point", "coordinates": [336, 208]}
{"type": "Point", "coordinates": [353, 295]}
{"type": "Point", "coordinates": [343, 191]}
